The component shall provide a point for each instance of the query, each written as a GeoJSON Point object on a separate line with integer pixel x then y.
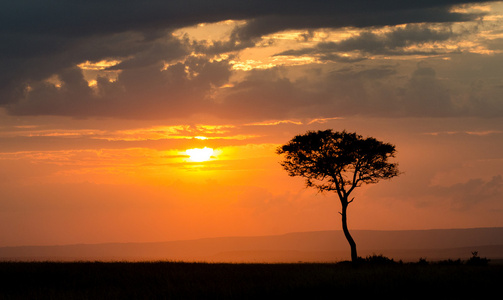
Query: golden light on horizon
{"type": "Point", "coordinates": [199, 154]}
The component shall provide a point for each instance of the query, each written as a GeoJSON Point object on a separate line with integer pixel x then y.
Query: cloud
{"type": "Point", "coordinates": [147, 92]}
{"type": "Point", "coordinates": [425, 95]}
{"type": "Point", "coordinates": [264, 95]}
{"type": "Point", "coordinates": [159, 75]}
{"type": "Point", "coordinates": [368, 43]}
{"type": "Point", "coordinates": [108, 16]}
{"type": "Point", "coordinates": [468, 194]}
{"type": "Point", "coordinates": [360, 13]}
{"type": "Point", "coordinates": [368, 89]}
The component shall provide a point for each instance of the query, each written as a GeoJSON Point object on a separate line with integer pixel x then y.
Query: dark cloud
{"type": "Point", "coordinates": [111, 16]}
{"type": "Point", "coordinates": [56, 54]}
{"type": "Point", "coordinates": [265, 94]}
{"type": "Point", "coordinates": [384, 91]}
{"type": "Point", "coordinates": [425, 95]}
{"type": "Point", "coordinates": [359, 89]}
{"type": "Point", "coordinates": [269, 94]}
{"type": "Point", "coordinates": [147, 92]}
{"type": "Point", "coordinates": [351, 18]}
{"type": "Point", "coordinates": [369, 43]}
{"type": "Point", "coordinates": [41, 39]}
{"type": "Point", "coordinates": [471, 193]}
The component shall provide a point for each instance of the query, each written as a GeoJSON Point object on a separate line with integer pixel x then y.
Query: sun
{"type": "Point", "coordinates": [199, 154]}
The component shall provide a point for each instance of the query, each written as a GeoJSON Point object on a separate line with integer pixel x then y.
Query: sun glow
{"type": "Point", "coordinates": [200, 154]}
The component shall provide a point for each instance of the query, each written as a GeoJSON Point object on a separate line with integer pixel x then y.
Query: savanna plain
{"type": "Point", "coordinates": [373, 276]}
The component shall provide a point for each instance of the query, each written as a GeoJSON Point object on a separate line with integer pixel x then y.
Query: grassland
{"type": "Point", "coordinates": [181, 280]}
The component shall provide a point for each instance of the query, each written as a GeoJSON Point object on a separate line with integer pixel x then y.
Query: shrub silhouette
{"type": "Point", "coordinates": [475, 260]}
{"type": "Point", "coordinates": [378, 260]}
{"type": "Point", "coordinates": [450, 262]}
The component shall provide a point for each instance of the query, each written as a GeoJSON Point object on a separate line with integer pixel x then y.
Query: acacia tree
{"type": "Point", "coordinates": [340, 162]}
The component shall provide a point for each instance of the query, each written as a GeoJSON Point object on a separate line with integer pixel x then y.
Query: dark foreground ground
{"type": "Point", "coordinates": [177, 280]}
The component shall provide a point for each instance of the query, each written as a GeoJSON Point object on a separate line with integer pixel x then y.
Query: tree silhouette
{"type": "Point", "coordinates": [340, 162]}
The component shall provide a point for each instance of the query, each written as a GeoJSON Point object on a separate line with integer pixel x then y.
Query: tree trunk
{"type": "Point", "coordinates": [352, 244]}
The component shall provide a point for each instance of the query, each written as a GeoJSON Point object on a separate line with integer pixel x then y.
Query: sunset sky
{"type": "Point", "coordinates": [100, 101]}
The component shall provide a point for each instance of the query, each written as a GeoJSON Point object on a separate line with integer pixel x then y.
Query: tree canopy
{"type": "Point", "coordinates": [338, 161]}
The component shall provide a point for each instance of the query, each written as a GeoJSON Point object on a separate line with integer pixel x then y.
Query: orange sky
{"type": "Point", "coordinates": [93, 148]}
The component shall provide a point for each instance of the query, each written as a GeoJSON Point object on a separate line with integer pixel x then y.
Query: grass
{"type": "Point", "coordinates": [182, 280]}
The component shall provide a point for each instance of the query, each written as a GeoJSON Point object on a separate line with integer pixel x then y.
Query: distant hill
{"type": "Point", "coordinates": [319, 246]}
